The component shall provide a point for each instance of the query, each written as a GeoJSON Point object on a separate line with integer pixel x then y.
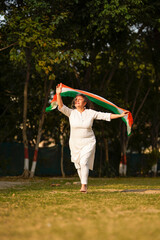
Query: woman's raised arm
{"type": "Point", "coordinates": [58, 92]}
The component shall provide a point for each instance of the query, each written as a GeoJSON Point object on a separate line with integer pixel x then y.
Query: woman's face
{"type": "Point", "coordinates": [80, 102]}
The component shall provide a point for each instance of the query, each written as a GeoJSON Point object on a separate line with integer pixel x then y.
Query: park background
{"type": "Point", "coordinates": [110, 48]}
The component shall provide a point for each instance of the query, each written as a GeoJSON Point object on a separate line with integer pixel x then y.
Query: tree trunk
{"type": "Point", "coordinates": [34, 162]}
{"type": "Point", "coordinates": [25, 140]}
{"type": "Point", "coordinates": [124, 137]}
{"type": "Point", "coordinates": [62, 148]}
{"type": "Point", "coordinates": [155, 127]}
{"type": "Point", "coordinates": [142, 103]}
{"type": "Point", "coordinates": [86, 81]}
{"type": "Point", "coordinates": [111, 75]}
{"type": "Point", "coordinates": [106, 149]}
{"type": "Point", "coordinates": [123, 165]}
{"type": "Point", "coordinates": [125, 140]}
{"type": "Point", "coordinates": [124, 144]}
{"type": "Point", "coordinates": [100, 162]}
{"type": "Point", "coordinates": [154, 169]}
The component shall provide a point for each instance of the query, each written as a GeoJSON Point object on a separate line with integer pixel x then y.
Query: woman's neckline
{"type": "Point", "coordinates": [80, 111]}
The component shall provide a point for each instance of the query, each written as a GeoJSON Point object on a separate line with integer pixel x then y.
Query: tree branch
{"type": "Point", "coordinates": [137, 93]}
{"type": "Point", "coordinates": [111, 75]}
{"type": "Point", "coordinates": [103, 80]}
{"type": "Point", "coordinates": [142, 103]}
{"type": "Point", "coordinates": [8, 46]}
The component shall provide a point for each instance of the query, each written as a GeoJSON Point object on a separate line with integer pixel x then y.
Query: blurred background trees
{"type": "Point", "coordinates": [110, 48]}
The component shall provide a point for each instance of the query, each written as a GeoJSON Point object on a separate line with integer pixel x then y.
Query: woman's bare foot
{"type": "Point", "coordinates": [83, 188]}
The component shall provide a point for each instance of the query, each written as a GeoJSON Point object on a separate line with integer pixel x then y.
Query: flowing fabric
{"type": "Point", "coordinates": [71, 92]}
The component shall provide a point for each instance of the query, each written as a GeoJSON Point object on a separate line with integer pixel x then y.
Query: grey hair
{"type": "Point", "coordinates": [88, 105]}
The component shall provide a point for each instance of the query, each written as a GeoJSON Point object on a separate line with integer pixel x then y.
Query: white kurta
{"type": "Point", "coordinates": [82, 140]}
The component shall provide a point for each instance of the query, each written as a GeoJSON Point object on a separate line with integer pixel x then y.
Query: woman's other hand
{"type": "Point", "coordinates": [125, 113]}
{"type": "Point", "coordinates": [59, 88]}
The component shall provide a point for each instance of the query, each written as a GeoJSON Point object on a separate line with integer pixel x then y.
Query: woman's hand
{"type": "Point", "coordinates": [115, 116]}
{"type": "Point", "coordinates": [58, 92]}
{"type": "Point", "coordinates": [59, 88]}
{"type": "Point", "coordinates": [125, 113]}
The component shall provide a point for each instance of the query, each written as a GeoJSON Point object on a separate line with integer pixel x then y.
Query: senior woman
{"type": "Point", "coordinates": [82, 140]}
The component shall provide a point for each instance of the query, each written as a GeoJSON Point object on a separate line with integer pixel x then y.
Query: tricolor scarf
{"type": "Point", "coordinates": [70, 92]}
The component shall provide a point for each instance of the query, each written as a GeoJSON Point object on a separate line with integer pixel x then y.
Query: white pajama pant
{"type": "Point", "coordinates": [85, 160]}
{"type": "Point", "coordinates": [83, 171]}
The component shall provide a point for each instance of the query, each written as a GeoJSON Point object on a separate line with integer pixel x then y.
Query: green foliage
{"type": "Point", "coordinates": [33, 27]}
{"type": "Point", "coordinates": [110, 48]}
{"type": "Point", "coordinates": [38, 34]}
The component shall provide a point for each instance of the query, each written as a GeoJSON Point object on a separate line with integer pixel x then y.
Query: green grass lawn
{"type": "Point", "coordinates": [109, 210]}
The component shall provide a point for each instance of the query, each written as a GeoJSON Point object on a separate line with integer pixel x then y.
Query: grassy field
{"type": "Point", "coordinates": [119, 208]}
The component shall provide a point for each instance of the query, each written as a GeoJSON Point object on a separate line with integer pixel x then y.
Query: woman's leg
{"type": "Point", "coordinates": [78, 167]}
{"type": "Point", "coordinates": [79, 173]}
{"type": "Point", "coordinates": [84, 177]}
{"type": "Point", "coordinates": [83, 172]}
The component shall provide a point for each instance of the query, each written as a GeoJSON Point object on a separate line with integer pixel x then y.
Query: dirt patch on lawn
{"type": "Point", "coordinates": [91, 191]}
{"type": "Point", "coordinates": [8, 184]}
{"type": "Point", "coordinates": [141, 191]}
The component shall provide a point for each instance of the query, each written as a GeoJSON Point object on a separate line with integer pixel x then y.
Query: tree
{"type": "Point", "coordinates": [110, 48]}
{"type": "Point", "coordinates": [36, 44]}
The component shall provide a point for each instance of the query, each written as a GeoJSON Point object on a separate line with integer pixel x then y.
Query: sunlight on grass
{"type": "Point", "coordinates": [112, 209]}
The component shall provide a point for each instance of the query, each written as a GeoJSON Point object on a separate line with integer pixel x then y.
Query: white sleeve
{"type": "Point", "coordinates": [65, 110]}
{"type": "Point", "coordinates": [101, 116]}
